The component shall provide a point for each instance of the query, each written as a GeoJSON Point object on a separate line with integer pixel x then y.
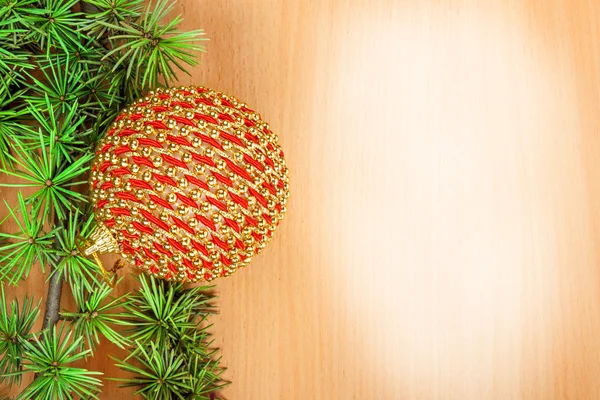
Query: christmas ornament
{"type": "Point", "coordinates": [188, 185]}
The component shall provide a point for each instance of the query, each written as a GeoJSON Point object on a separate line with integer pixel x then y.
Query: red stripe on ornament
{"type": "Point", "coordinates": [160, 202]}
{"type": "Point", "coordinates": [140, 184]}
{"type": "Point", "coordinates": [167, 180]}
{"type": "Point", "coordinates": [232, 138]}
{"type": "Point", "coordinates": [163, 250]}
{"type": "Point", "coordinates": [209, 140]}
{"type": "Point", "coordinates": [254, 163]}
{"type": "Point", "coordinates": [223, 179]}
{"type": "Point", "coordinates": [153, 257]}
{"type": "Point", "coordinates": [104, 166]}
{"type": "Point", "coordinates": [160, 108]}
{"type": "Point", "coordinates": [204, 101]}
{"type": "Point", "coordinates": [182, 225]}
{"type": "Point", "coordinates": [183, 120]}
{"type": "Point", "coordinates": [206, 222]}
{"type": "Point", "coordinates": [123, 149]}
{"type": "Point", "coordinates": [199, 247]}
{"type": "Point", "coordinates": [251, 221]}
{"type": "Point", "coordinates": [127, 132]}
{"type": "Point", "coordinates": [268, 219]}
{"type": "Point", "coordinates": [156, 124]}
{"type": "Point", "coordinates": [142, 161]}
{"type": "Point", "coordinates": [183, 104]}
{"type": "Point", "coordinates": [186, 200]}
{"type": "Point", "coordinates": [120, 171]}
{"type": "Point", "coordinates": [239, 244]}
{"type": "Point", "coordinates": [251, 137]}
{"type": "Point", "coordinates": [155, 220]}
{"type": "Point", "coordinates": [135, 117]}
{"type": "Point", "coordinates": [238, 199]}
{"type": "Point", "coordinates": [127, 196]}
{"type": "Point", "coordinates": [102, 203]}
{"type": "Point", "coordinates": [270, 188]}
{"type": "Point", "coordinates": [225, 261]}
{"type": "Point", "coordinates": [216, 203]}
{"type": "Point", "coordinates": [220, 243]}
{"type": "Point", "coordinates": [195, 181]}
{"type": "Point", "coordinates": [142, 228]}
{"type": "Point", "coordinates": [129, 235]}
{"type": "Point", "coordinates": [258, 197]}
{"type": "Point", "coordinates": [269, 162]}
{"type": "Point", "coordinates": [149, 142]}
{"type": "Point", "coordinates": [174, 161]}
{"type": "Point", "coordinates": [126, 247]}
{"type": "Point", "coordinates": [179, 140]}
{"type": "Point", "coordinates": [109, 222]}
{"type": "Point", "coordinates": [225, 117]}
{"type": "Point", "coordinates": [226, 102]}
{"type": "Point", "coordinates": [106, 185]}
{"type": "Point", "coordinates": [206, 118]}
{"type": "Point", "coordinates": [203, 159]}
{"type": "Point", "coordinates": [120, 211]}
{"type": "Point", "coordinates": [249, 123]}
{"type": "Point", "coordinates": [238, 170]}
{"type": "Point", "coordinates": [231, 223]}
{"type": "Point", "coordinates": [176, 245]}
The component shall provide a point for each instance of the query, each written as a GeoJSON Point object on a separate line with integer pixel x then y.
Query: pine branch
{"type": "Point", "coordinates": [52, 313]}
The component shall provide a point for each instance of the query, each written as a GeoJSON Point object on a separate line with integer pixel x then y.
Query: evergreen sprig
{"type": "Point", "coordinates": [172, 356]}
{"type": "Point", "coordinates": [67, 67]}
{"type": "Point", "coordinates": [15, 330]}
{"type": "Point", "coordinates": [50, 174]}
{"type": "Point", "coordinates": [80, 272]}
{"type": "Point", "coordinates": [20, 251]}
{"type": "Point", "coordinates": [150, 49]}
{"type": "Point", "coordinates": [96, 316]}
{"type": "Point", "coordinates": [50, 356]}
{"type": "Point", "coordinates": [164, 312]}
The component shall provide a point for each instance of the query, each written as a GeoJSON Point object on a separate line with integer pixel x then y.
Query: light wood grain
{"type": "Point", "coordinates": [442, 239]}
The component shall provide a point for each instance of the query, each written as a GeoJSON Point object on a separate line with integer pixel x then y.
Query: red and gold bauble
{"type": "Point", "coordinates": [188, 185]}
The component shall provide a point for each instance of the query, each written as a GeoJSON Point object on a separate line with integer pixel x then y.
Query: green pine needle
{"type": "Point", "coordinates": [50, 356]}
{"type": "Point", "coordinates": [50, 174]}
{"type": "Point", "coordinates": [11, 127]}
{"type": "Point", "coordinates": [111, 12]}
{"type": "Point", "coordinates": [62, 83]}
{"type": "Point", "coordinates": [64, 77]}
{"type": "Point", "coordinates": [164, 312]}
{"type": "Point", "coordinates": [150, 49]}
{"type": "Point", "coordinates": [55, 25]}
{"type": "Point", "coordinates": [162, 375]}
{"type": "Point", "coordinates": [15, 328]}
{"type": "Point", "coordinates": [20, 251]}
{"type": "Point", "coordinates": [68, 130]}
{"type": "Point", "coordinates": [79, 271]}
{"type": "Point", "coordinates": [95, 316]}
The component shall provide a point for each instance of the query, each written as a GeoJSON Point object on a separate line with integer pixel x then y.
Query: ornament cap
{"type": "Point", "coordinates": [101, 241]}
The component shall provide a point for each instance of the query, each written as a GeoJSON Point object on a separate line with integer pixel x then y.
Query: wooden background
{"type": "Point", "coordinates": [442, 239]}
